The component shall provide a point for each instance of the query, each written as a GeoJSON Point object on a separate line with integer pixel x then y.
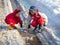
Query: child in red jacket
{"type": "Point", "coordinates": [13, 18]}
{"type": "Point", "coordinates": [36, 18]}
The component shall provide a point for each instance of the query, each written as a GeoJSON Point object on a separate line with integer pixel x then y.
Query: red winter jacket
{"type": "Point", "coordinates": [12, 19]}
{"type": "Point", "coordinates": [34, 17]}
{"type": "Point", "coordinates": [37, 19]}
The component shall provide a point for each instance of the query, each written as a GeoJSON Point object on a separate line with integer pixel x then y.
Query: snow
{"type": "Point", "coordinates": [11, 37]}
{"type": "Point", "coordinates": [56, 11]}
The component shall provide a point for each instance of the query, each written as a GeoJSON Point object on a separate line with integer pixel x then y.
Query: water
{"type": "Point", "coordinates": [53, 20]}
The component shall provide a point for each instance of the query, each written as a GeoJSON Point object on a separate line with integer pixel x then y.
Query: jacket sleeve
{"type": "Point", "coordinates": [20, 21]}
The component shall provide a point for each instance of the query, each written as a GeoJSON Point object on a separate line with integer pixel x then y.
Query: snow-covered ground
{"type": "Point", "coordinates": [11, 37]}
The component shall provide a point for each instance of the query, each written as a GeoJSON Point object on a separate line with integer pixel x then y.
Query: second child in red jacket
{"type": "Point", "coordinates": [36, 18]}
{"type": "Point", "coordinates": [13, 18]}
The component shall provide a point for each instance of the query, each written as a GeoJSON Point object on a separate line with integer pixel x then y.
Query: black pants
{"type": "Point", "coordinates": [39, 27]}
{"type": "Point", "coordinates": [29, 26]}
{"type": "Point", "coordinates": [21, 25]}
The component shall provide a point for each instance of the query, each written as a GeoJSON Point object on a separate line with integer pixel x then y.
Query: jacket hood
{"type": "Point", "coordinates": [16, 11]}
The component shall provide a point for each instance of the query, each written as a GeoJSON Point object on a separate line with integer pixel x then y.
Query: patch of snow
{"type": "Point", "coordinates": [56, 11]}
{"type": "Point", "coordinates": [11, 37]}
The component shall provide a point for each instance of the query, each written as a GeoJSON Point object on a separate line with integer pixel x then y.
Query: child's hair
{"type": "Point", "coordinates": [29, 12]}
